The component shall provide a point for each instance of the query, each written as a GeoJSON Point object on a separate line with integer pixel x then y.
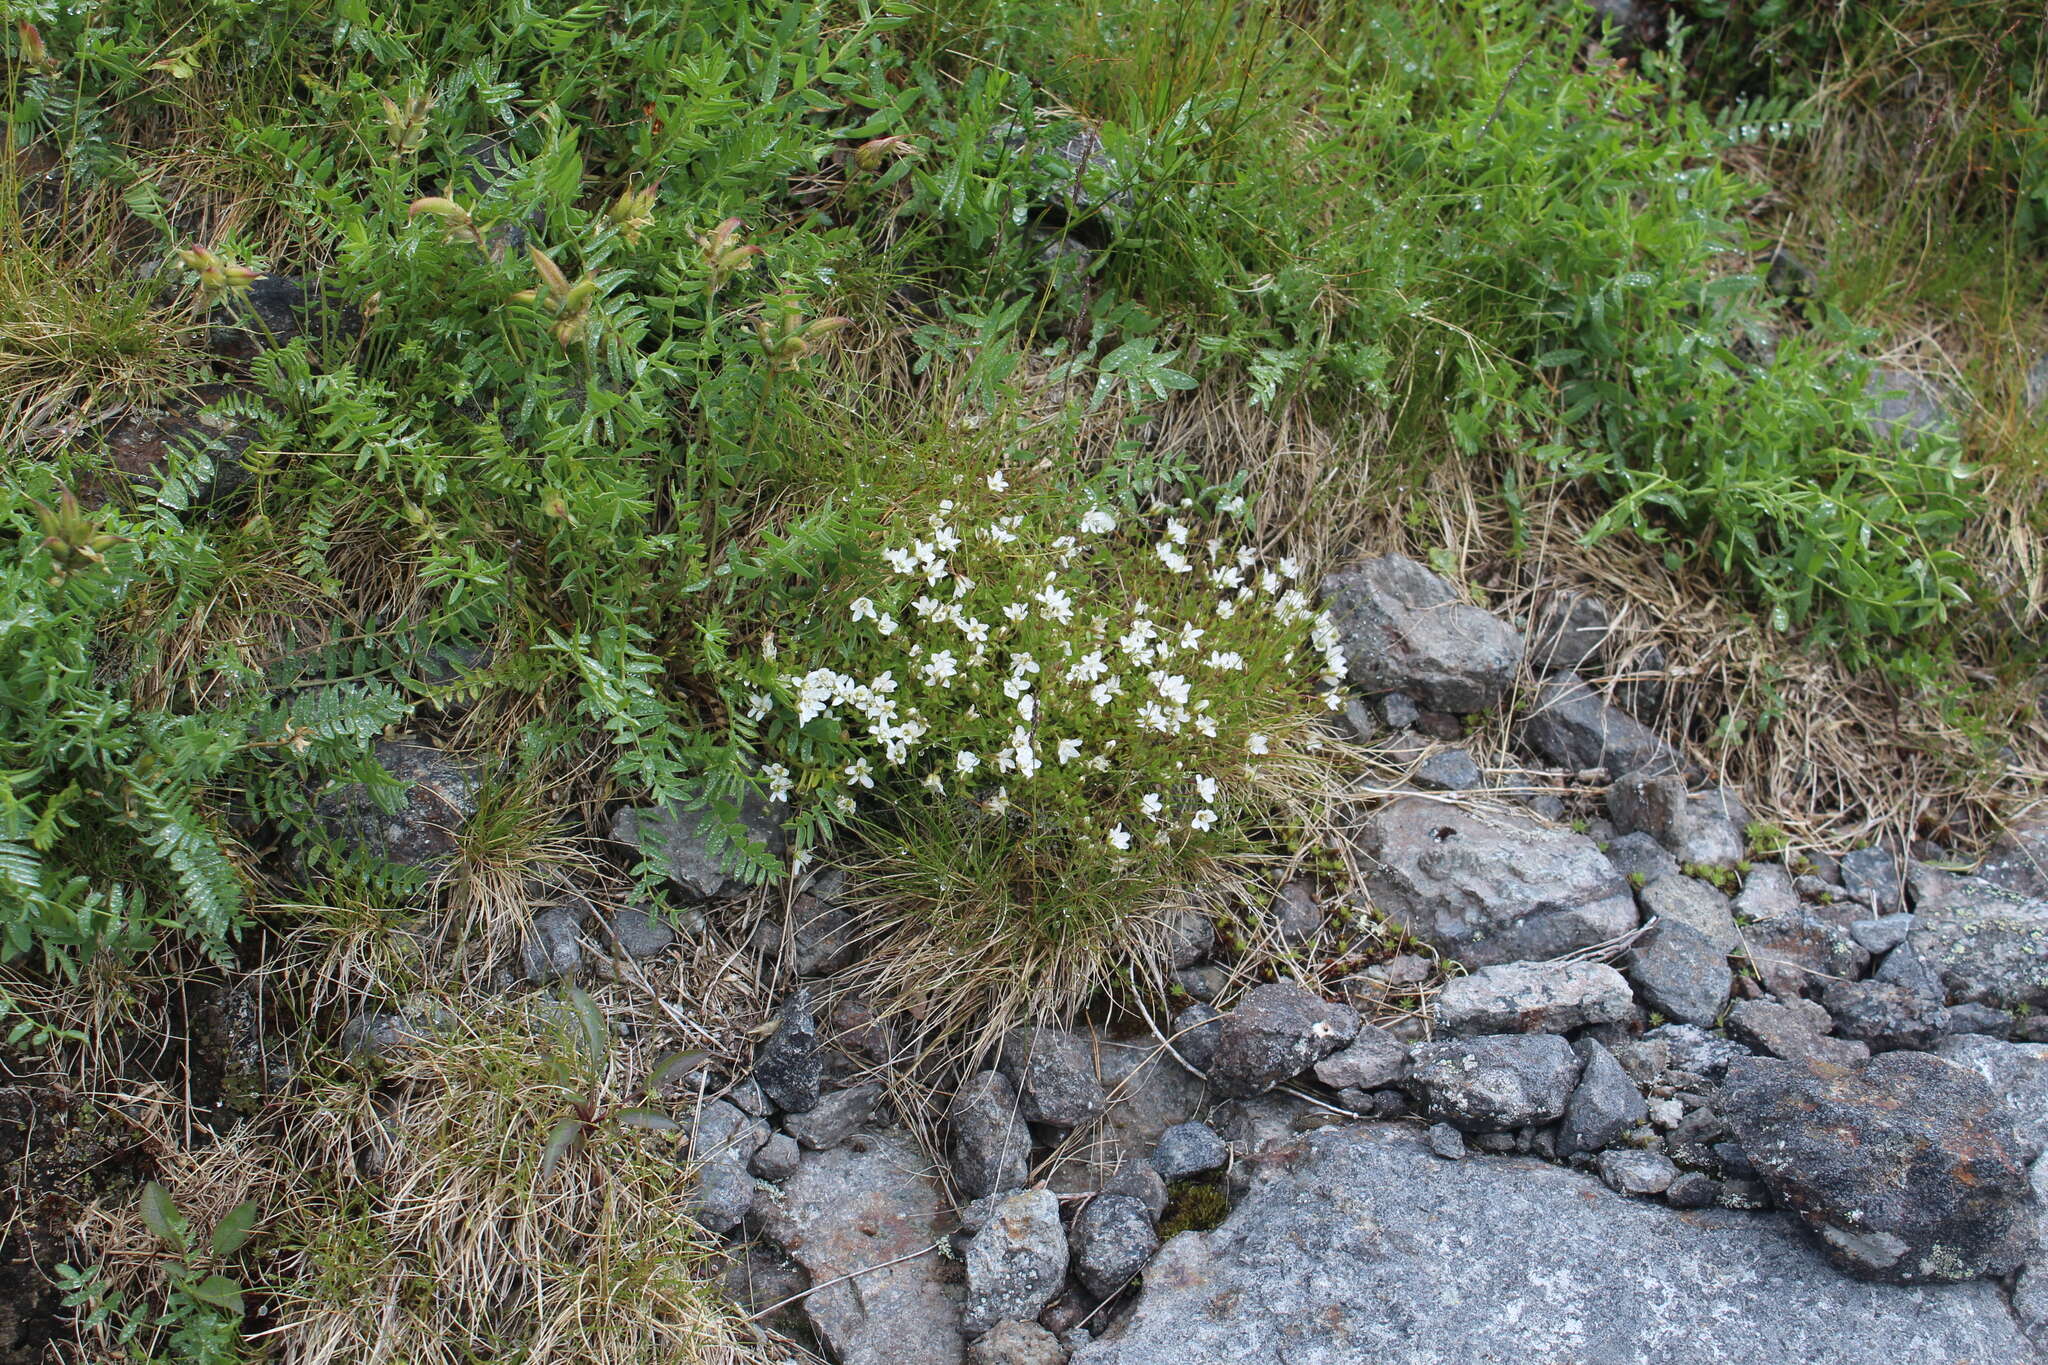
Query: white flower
{"type": "Point", "coordinates": [1191, 637]}
{"type": "Point", "coordinates": [1173, 559]}
{"type": "Point", "coordinates": [1151, 806]}
{"type": "Point", "coordinates": [1067, 750]}
{"type": "Point", "coordinates": [1226, 660]}
{"type": "Point", "coordinates": [885, 624]}
{"type": "Point", "coordinates": [1205, 787]}
{"type": "Point", "coordinates": [863, 609]}
{"type": "Point", "coordinates": [1257, 744]}
{"type": "Point", "coordinates": [1225, 608]}
{"type": "Point", "coordinates": [843, 803]}
{"type": "Point", "coordinates": [966, 761]}
{"type": "Point", "coordinates": [901, 561]}
{"type": "Point", "coordinates": [862, 774]}
{"type": "Point", "coordinates": [1289, 569]}
{"type": "Point", "coordinates": [1097, 522]}
{"type": "Point", "coordinates": [1027, 707]}
{"type": "Point", "coordinates": [759, 704]}
{"type": "Point", "coordinates": [1055, 605]}
{"type": "Point", "coordinates": [1292, 606]}
{"type": "Point", "coordinates": [1000, 802]}
{"type": "Point", "coordinates": [945, 537]}
{"type": "Point", "coordinates": [1088, 668]}
{"type": "Point", "coordinates": [1103, 693]}
{"type": "Point", "coordinates": [1120, 838]}
{"type": "Point", "coordinates": [1016, 611]}
{"type": "Point", "coordinates": [934, 782]}
{"type": "Point", "coordinates": [1232, 506]}
{"type": "Point", "coordinates": [1176, 532]}
{"type": "Point", "coordinates": [778, 781]}
{"type": "Point", "coordinates": [1269, 582]}
{"type": "Point", "coordinates": [1097, 764]}
{"type": "Point", "coordinates": [940, 668]}
{"type": "Point", "coordinates": [1171, 686]}
{"type": "Point", "coordinates": [997, 483]}
{"type": "Point", "coordinates": [1229, 578]}
{"type": "Point", "coordinates": [1202, 820]}
{"type": "Point", "coordinates": [1027, 758]}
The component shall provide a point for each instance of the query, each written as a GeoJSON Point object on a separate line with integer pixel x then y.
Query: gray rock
{"type": "Point", "coordinates": [1907, 407]}
{"type": "Point", "coordinates": [1143, 1184]}
{"type": "Point", "coordinates": [776, 1159]}
{"type": "Point", "coordinates": [1017, 1262]}
{"type": "Point", "coordinates": [1294, 914]}
{"type": "Point", "coordinates": [721, 1193]}
{"type": "Point", "coordinates": [1680, 974]}
{"type": "Point", "coordinates": [1445, 1141]}
{"type": "Point", "coordinates": [636, 933]}
{"type": "Point", "coordinates": [1493, 1084]}
{"type": "Point", "coordinates": [1189, 1149]}
{"type": "Point", "coordinates": [440, 798]}
{"type": "Point", "coordinates": [1971, 1017]}
{"type": "Point", "coordinates": [1490, 886]}
{"type": "Point", "coordinates": [370, 1037]}
{"type": "Point", "coordinates": [1793, 1030]}
{"type": "Point", "coordinates": [2030, 1291]}
{"type": "Point", "coordinates": [1641, 859]}
{"type": "Point", "coordinates": [1637, 1173]}
{"type": "Point", "coordinates": [1403, 628]}
{"type": "Point", "coordinates": [1574, 728]}
{"type": "Point", "coordinates": [1149, 1092]}
{"type": "Point", "coordinates": [790, 1067]}
{"type": "Point", "coordinates": [1190, 935]}
{"type": "Point", "coordinates": [1054, 1073]}
{"type": "Point", "coordinates": [1112, 1238]}
{"type": "Point", "coordinates": [1374, 1058]}
{"type": "Point", "coordinates": [2017, 1074]}
{"type": "Point", "coordinates": [552, 949]}
{"type": "Point", "coordinates": [819, 935]}
{"type": "Point", "coordinates": [1879, 936]}
{"type": "Point", "coordinates": [1903, 967]}
{"type": "Point", "coordinates": [1871, 875]}
{"type": "Point", "coordinates": [1567, 632]}
{"type": "Point", "coordinates": [1016, 1343]}
{"type": "Point", "coordinates": [835, 1118]}
{"type": "Point", "coordinates": [723, 1131]}
{"type": "Point", "coordinates": [1692, 1190]}
{"type": "Point", "coordinates": [1693, 1055]}
{"type": "Point", "coordinates": [1985, 944]}
{"type": "Point", "coordinates": [1691, 902]}
{"type": "Point", "coordinates": [1885, 1016]}
{"type": "Point", "coordinates": [1905, 1168]}
{"type": "Point", "coordinates": [1204, 981]}
{"type": "Point", "coordinates": [1358, 1248]}
{"type": "Point", "coordinates": [1195, 1032]}
{"type": "Point", "coordinates": [1276, 1032]}
{"type": "Point", "coordinates": [757, 1278]}
{"type": "Point", "coordinates": [846, 1216]}
{"type": "Point", "coordinates": [1704, 827]}
{"type": "Point", "coordinates": [1449, 770]}
{"type": "Point", "coordinates": [991, 1147]}
{"type": "Point", "coordinates": [675, 840]}
{"type": "Point", "coordinates": [1398, 711]}
{"type": "Point", "coordinates": [1357, 723]}
{"type": "Point", "coordinates": [1531, 997]}
{"type": "Point", "coordinates": [1801, 951]}
{"type": "Point", "coordinates": [1767, 892]}
{"type": "Point", "coordinates": [1604, 1105]}
{"type": "Point", "coordinates": [2018, 862]}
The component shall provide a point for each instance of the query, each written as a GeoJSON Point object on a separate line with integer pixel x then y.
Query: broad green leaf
{"type": "Point", "coordinates": [234, 1229]}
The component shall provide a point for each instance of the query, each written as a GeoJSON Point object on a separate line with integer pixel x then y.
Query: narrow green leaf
{"type": "Point", "coordinates": [234, 1229]}
{"type": "Point", "coordinates": [161, 1217]}
{"type": "Point", "coordinates": [567, 1134]}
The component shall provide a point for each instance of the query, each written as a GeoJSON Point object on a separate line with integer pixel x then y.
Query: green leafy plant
{"type": "Point", "coordinates": [586, 1073]}
{"type": "Point", "coordinates": [200, 1320]}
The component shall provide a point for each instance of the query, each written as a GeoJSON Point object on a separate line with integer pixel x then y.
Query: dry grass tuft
{"type": "Point", "coordinates": [406, 1216]}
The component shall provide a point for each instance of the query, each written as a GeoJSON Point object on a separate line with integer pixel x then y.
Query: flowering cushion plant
{"type": "Point", "coordinates": [1102, 689]}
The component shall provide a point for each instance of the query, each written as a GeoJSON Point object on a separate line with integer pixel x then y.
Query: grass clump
{"type": "Point", "coordinates": [1046, 704]}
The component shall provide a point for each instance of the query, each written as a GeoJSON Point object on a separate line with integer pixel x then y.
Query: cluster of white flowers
{"type": "Point", "coordinates": [1002, 675]}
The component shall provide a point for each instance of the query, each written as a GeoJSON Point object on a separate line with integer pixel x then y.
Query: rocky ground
{"type": "Point", "coordinates": [1687, 1104]}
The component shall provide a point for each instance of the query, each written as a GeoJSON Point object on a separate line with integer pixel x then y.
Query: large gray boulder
{"type": "Point", "coordinates": [1985, 944]}
{"type": "Point", "coordinates": [1404, 629]}
{"type": "Point", "coordinates": [845, 1216]}
{"type": "Point", "coordinates": [1573, 727]}
{"type": "Point", "coordinates": [1905, 1168]}
{"type": "Point", "coordinates": [1491, 886]}
{"type": "Point", "coordinates": [1355, 1246]}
